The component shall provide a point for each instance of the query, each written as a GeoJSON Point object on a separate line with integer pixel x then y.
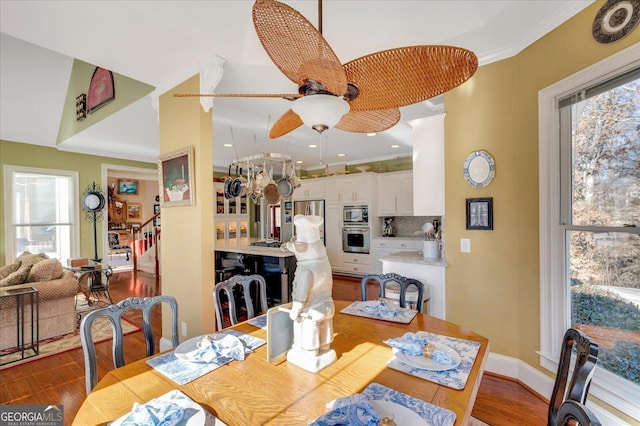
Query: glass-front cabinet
{"type": "Point", "coordinates": [229, 206]}
{"type": "Point", "coordinates": [231, 219]}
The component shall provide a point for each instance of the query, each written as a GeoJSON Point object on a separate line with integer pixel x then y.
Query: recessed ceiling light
{"type": "Point", "coordinates": [313, 146]}
{"type": "Point", "coordinates": [395, 146]}
{"type": "Point", "coordinates": [227, 145]}
{"type": "Point", "coordinates": [371, 134]}
{"type": "Point", "coordinates": [342, 155]}
{"type": "Point", "coordinates": [299, 162]}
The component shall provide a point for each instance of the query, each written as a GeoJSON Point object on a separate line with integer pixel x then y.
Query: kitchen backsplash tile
{"type": "Point", "coordinates": [407, 226]}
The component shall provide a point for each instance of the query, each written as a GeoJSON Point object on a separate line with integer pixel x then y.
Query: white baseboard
{"type": "Point", "coordinates": [540, 383]}
{"type": "Point", "coordinates": [165, 344]}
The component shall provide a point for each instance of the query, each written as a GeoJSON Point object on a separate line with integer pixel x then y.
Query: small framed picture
{"type": "Point", "coordinates": [480, 213]}
{"type": "Point", "coordinates": [134, 211]}
{"type": "Point", "coordinates": [127, 186]}
{"type": "Point", "coordinates": [156, 210]}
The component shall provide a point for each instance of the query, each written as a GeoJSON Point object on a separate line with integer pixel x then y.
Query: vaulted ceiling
{"type": "Point", "coordinates": [163, 43]}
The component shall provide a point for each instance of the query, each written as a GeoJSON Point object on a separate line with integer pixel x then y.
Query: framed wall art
{"type": "Point", "coordinates": [156, 210]}
{"type": "Point", "coordinates": [175, 171]}
{"type": "Point", "coordinates": [480, 213]}
{"type": "Point", "coordinates": [134, 211]}
{"type": "Point", "coordinates": [101, 89]}
{"type": "Point", "coordinates": [127, 186]}
{"type": "Point", "coordinates": [81, 107]}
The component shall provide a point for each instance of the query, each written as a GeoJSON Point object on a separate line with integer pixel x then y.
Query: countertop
{"type": "Point", "coordinates": [244, 247]}
{"type": "Point", "coordinates": [414, 257]}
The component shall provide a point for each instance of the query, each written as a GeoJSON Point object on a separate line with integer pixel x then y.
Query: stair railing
{"type": "Point", "coordinates": [144, 238]}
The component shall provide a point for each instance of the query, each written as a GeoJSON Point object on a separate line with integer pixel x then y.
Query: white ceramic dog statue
{"type": "Point", "coordinates": [312, 307]}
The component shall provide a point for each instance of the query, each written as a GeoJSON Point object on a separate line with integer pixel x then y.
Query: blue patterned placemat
{"type": "Point", "coordinates": [182, 372]}
{"type": "Point", "coordinates": [259, 321]}
{"type": "Point", "coordinates": [455, 378]}
{"type": "Point", "coordinates": [430, 413]}
{"type": "Point", "coordinates": [377, 310]}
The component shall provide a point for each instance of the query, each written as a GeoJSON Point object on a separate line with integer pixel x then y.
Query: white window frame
{"type": "Point", "coordinates": [9, 215]}
{"type": "Point", "coordinates": [554, 312]}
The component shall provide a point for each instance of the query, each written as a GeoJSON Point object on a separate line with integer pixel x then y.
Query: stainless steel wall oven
{"type": "Point", "coordinates": [356, 239]}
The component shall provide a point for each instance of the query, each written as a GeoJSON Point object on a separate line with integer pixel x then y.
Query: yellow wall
{"type": "Point", "coordinates": [187, 231]}
{"type": "Point", "coordinates": [89, 168]}
{"type": "Point", "coordinates": [494, 290]}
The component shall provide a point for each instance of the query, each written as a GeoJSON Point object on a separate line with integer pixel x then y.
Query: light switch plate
{"type": "Point", "coordinates": [465, 245]}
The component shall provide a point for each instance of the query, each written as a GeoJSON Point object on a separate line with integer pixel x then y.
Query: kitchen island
{"type": "Point", "coordinates": [276, 265]}
{"type": "Point", "coordinates": [430, 272]}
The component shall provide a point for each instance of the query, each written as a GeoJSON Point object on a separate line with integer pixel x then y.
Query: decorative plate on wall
{"type": "Point", "coordinates": [615, 19]}
{"type": "Point", "coordinates": [479, 169]}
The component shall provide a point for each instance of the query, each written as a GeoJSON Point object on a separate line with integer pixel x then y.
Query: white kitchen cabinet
{"type": "Point", "coordinates": [333, 235]}
{"type": "Point", "coordinates": [356, 263]}
{"type": "Point", "coordinates": [333, 189]}
{"type": "Point", "coordinates": [395, 193]}
{"type": "Point", "coordinates": [381, 247]}
{"type": "Point", "coordinates": [428, 166]}
{"type": "Point", "coordinates": [358, 188]}
{"type": "Point", "coordinates": [229, 207]}
{"type": "Point", "coordinates": [351, 189]}
{"type": "Point", "coordinates": [231, 218]}
{"type": "Point", "coordinates": [310, 189]}
{"type": "Point", "coordinates": [232, 229]}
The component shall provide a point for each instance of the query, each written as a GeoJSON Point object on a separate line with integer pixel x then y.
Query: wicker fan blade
{"type": "Point", "coordinates": [369, 121]}
{"type": "Point", "coordinates": [407, 75]}
{"type": "Point", "coordinates": [296, 47]}
{"type": "Point", "coordinates": [287, 96]}
{"type": "Point", "coordinates": [288, 122]}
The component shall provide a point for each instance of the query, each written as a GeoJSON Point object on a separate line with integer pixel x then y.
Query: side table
{"type": "Point", "coordinates": [20, 295]}
{"type": "Point", "coordinates": [93, 280]}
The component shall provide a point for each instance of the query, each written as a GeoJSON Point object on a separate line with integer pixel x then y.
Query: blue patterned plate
{"type": "Point", "coordinates": [419, 361]}
{"type": "Point", "coordinates": [400, 414]}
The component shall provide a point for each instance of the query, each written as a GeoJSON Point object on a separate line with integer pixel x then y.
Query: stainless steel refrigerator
{"type": "Point", "coordinates": [310, 208]}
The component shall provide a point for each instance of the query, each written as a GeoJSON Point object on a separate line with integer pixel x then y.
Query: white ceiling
{"type": "Point", "coordinates": [163, 43]}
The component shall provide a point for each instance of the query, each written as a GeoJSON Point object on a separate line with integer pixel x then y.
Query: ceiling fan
{"type": "Point", "coordinates": [361, 96]}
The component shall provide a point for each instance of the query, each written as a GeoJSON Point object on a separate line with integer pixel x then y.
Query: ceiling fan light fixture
{"type": "Point", "coordinates": [320, 111]}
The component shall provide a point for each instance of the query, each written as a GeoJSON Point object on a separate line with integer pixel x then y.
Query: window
{"type": "Point", "coordinates": [590, 221]}
{"type": "Point", "coordinates": [40, 212]}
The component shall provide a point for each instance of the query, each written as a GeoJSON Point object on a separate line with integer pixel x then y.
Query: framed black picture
{"type": "Point", "coordinates": [156, 210]}
{"type": "Point", "coordinates": [480, 213]}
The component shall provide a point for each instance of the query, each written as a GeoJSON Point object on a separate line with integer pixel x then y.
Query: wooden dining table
{"type": "Point", "coordinates": [255, 392]}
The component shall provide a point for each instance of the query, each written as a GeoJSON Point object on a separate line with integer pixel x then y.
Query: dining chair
{"type": "Point", "coordinates": [114, 314]}
{"type": "Point", "coordinates": [404, 283]}
{"type": "Point", "coordinates": [578, 387]}
{"type": "Point", "coordinates": [244, 284]}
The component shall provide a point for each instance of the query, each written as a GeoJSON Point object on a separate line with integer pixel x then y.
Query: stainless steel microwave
{"type": "Point", "coordinates": [355, 215]}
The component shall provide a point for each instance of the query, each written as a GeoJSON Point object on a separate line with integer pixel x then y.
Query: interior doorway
{"type": "Point", "coordinates": [145, 200]}
{"type": "Point", "coordinates": [274, 221]}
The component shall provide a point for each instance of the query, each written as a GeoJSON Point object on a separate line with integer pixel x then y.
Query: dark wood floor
{"type": "Point", "coordinates": [59, 379]}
